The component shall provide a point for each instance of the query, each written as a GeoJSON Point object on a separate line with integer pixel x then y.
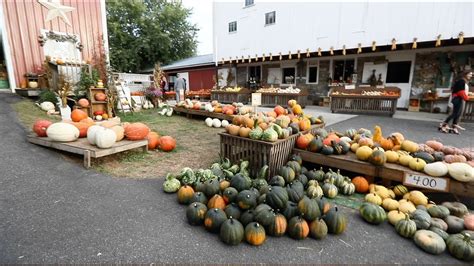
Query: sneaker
{"type": "Point", "coordinates": [454, 130]}
{"type": "Point", "coordinates": [445, 129]}
{"type": "Point", "coordinates": [458, 127]}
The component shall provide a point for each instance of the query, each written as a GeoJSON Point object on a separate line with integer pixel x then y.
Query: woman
{"type": "Point", "coordinates": [459, 92]}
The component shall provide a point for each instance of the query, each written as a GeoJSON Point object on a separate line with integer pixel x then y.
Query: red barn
{"type": "Point", "coordinates": [31, 29]}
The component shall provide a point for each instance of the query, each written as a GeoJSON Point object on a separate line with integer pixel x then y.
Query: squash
{"type": "Point", "coordinates": [361, 184]}
{"type": "Point", "coordinates": [406, 227]}
{"type": "Point", "coordinates": [185, 194]}
{"type": "Point", "coordinates": [297, 110]}
{"type": "Point", "coordinates": [439, 232]}
{"type": "Point", "coordinates": [230, 195]}
{"type": "Point", "coordinates": [456, 208]}
{"type": "Point", "coordinates": [439, 223]}
{"type": "Point", "coordinates": [153, 140]}
{"type": "Point", "coordinates": [244, 132]}
{"type": "Point", "coordinates": [40, 126]}
{"type": "Point", "coordinates": [372, 213]}
{"type": "Point", "coordinates": [418, 198]}
{"type": "Point", "coordinates": [392, 156]}
{"type": "Point", "coordinates": [77, 115]}
{"type": "Point", "coordinates": [314, 191]}
{"type": "Point", "coordinates": [354, 147]}
{"type": "Point", "coordinates": [461, 246]}
{"type": "Point", "coordinates": [386, 144]}
{"type": "Point", "coordinates": [421, 218]}
{"type": "Point", "coordinates": [455, 158]}
{"type": "Point", "coordinates": [395, 216]}
{"type": "Point", "coordinates": [208, 122]}
{"type": "Point", "coordinates": [417, 164]}
{"type": "Point", "coordinates": [429, 242]}
{"type": "Point", "coordinates": [405, 159]}
{"type": "Point", "coordinates": [255, 133]}
{"type": "Point", "coordinates": [214, 219]}
{"type": "Point", "coordinates": [365, 141]}
{"type": "Point", "coordinates": [400, 190]}
{"type": "Point", "coordinates": [105, 138]}
{"type": "Point", "coordinates": [336, 221]}
{"type": "Point", "coordinates": [62, 132]}
{"type": "Point", "coordinates": [377, 137]}
{"type": "Point", "coordinates": [363, 153]}
{"type": "Point", "coordinates": [428, 158]}
{"type": "Point", "coordinates": [318, 229]}
{"type": "Point", "coordinates": [455, 224]}
{"type": "Point", "coordinates": [462, 172]}
{"type": "Point", "coordinates": [309, 209]}
{"type": "Point", "coordinates": [409, 146]}
{"type": "Point", "coordinates": [436, 169]}
{"type": "Point", "coordinates": [277, 197]}
{"type": "Point", "coordinates": [195, 213]}
{"type": "Point", "coordinates": [291, 210]}
{"type": "Point", "coordinates": [216, 202]}
{"type": "Point", "coordinates": [435, 145]}
{"type": "Point", "coordinates": [231, 232]}
{"type": "Point", "coordinates": [136, 131]}
{"type": "Point", "coordinates": [119, 132]}
{"type": "Point", "coordinates": [255, 234]}
{"type": "Point", "coordinates": [167, 143]}
{"type": "Point", "coordinates": [348, 188]}
{"type": "Point", "coordinates": [298, 228]}
{"type": "Point", "coordinates": [469, 222]}
{"type": "Point", "coordinates": [199, 197]}
{"type": "Point", "coordinates": [438, 211]}
{"type": "Point", "coordinates": [278, 225]}
{"type": "Point", "coordinates": [373, 198]}
{"type": "Point", "coordinates": [295, 191]}
{"type": "Point", "coordinates": [406, 207]}
{"type": "Point", "coordinates": [246, 199]}
{"type": "Point", "coordinates": [390, 204]}
{"type": "Point", "coordinates": [397, 138]}
{"type": "Point", "coordinates": [330, 190]}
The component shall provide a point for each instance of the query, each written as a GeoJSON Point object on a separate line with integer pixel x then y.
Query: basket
{"type": "Point", "coordinates": [259, 153]}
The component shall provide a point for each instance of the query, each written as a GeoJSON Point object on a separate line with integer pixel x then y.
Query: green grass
{"type": "Point", "coordinates": [28, 113]}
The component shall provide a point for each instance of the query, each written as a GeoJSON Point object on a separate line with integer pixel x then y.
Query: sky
{"type": "Point", "coordinates": [202, 17]}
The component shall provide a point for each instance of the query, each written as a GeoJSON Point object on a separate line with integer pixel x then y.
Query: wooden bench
{"type": "Point", "coordinates": [82, 147]}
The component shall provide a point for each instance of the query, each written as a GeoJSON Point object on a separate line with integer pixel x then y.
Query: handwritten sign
{"type": "Point", "coordinates": [428, 182]}
{"type": "Point", "coordinates": [256, 99]}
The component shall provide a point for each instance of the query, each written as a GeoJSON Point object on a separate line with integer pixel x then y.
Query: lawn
{"type": "Point", "coordinates": [197, 144]}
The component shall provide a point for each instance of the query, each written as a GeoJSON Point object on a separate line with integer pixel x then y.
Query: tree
{"type": "Point", "coordinates": [143, 32]}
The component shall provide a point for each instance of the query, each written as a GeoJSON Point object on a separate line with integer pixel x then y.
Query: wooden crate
{"type": "Point", "coordinates": [259, 153]}
{"type": "Point", "coordinates": [354, 103]}
{"type": "Point", "coordinates": [243, 96]}
{"type": "Point", "coordinates": [274, 99]}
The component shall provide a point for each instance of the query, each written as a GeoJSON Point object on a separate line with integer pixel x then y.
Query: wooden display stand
{"type": "Point", "coordinates": [352, 101]}
{"type": "Point", "coordinates": [274, 99]}
{"type": "Point", "coordinates": [98, 105]}
{"type": "Point", "coordinates": [468, 113]}
{"type": "Point", "coordinates": [389, 172]}
{"type": "Point", "coordinates": [243, 96]}
{"type": "Point", "coordinates": [192, 112]}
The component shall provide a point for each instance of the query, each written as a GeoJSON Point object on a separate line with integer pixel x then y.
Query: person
{"type": "Point", "coordinates": [179, 87]}
{"type": "Point", "coordinates": [163, 84]}
{"type": "Point", "coordinates": [459, 94]}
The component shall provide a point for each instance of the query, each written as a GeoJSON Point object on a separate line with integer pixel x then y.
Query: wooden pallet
{"type": "Point", "coordinates": [389, 172]}
{"type": "Point", "coordinates": [82, 147]}
{"type": "Point", "coordinates": [191, 112]}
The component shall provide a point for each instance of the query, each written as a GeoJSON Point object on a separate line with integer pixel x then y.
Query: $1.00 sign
{"type": "Point", "coordinates": [428, 182]}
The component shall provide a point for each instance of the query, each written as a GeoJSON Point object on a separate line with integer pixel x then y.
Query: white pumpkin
{"type": "Point", "coordinates": [216, 122]}
{"type": "Point", "coordinates": [105, 138]}
{"type": "Point", "coordinates": [46, 106]}
{"type": "Point", "coordinates": [63, 132]}
{"type": "Point", "coordinates": [169, 112]}
{"type": "Point", "coordinates": [436, 169]}
{"type": "Point", "coordinates": [462, 172]}
{"type": "Point", "coordinates": [208, 122]}
{"type": "Point", "coordinates": [98, 117]}
{"type": "Point", "coordinates": [91, 131]}
{"type": "Point", "coordinates": [224, 123]}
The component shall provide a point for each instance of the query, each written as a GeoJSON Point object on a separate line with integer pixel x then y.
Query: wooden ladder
{"type": "Point", "coordinates": [125, 106]}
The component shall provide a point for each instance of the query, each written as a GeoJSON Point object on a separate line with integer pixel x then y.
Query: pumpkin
{"type": "Point", "coordinates": [214, 219]}
{"type": "Point", "coordinates": [377, 157]}
{"type": "Point", "coordinates": [421, 218]}
{"type": "Point", "coordinates": [406, 227]}
{"type": "Point", "coordinates": [195, 213]}
{"type": "Point", "coordinates": [395, 216]}
{"type": "Point", "coordinates": [354, 147]}
{"type": "Point", "coordinates": [297, 110]}
{"type": "Point", "coordinates": [199, 197]}
{"type": "Point", "coordinates": [386, 144]}
{"type": "Point", "coordinates": [232, 210]}
{"type": "Point", "coordinates": [292, 103]}
{"type": "Point", "coordinates": [40, 126]}
{"type": "Point", "coordinates": [418, 198]}
{"type": "Point", "coordinates": [435, 145]}
{"type": "Point", "coordinates": [363, 153]}
{"type": "Point", "coordinates": [439, 223]}
{"type": "Point", "coordinates": [83, 127]}
{"type": "Point", "coordinates": [455, 224]}
{"type": "Point", "coordinates": [348, 188]}
{"type": "Point", "coordinates": [105, 138]}
{"type": "Point", "coordinates": [136, 131]}
{"type": "Point", "coordinates": [295, 191]}
{"type": "Point", "coordinates": [318, 229]}
{"type": "Point", "coordinates": [365, 141]}
{"type": "Point", "coordinates": [373, 198]}
{"type": "Point", "coordinates": [216, 202]}
{"type": "Point", "coordinates": [246, 199]}
{"type": "Point", "coordinates": [83, 102]}
{"type": "Point", "coordinates": [361, 184]}
{"type": "Point", "coordinates": [167, 143]}
{"type": "Point", "coordinates": [244, 132]}
{"type": "Point", "coordinates": [77, 115]}
{"type": "Point", "coordinates": [461, 246]}
{"type": "Point", "coordinates": [438, 211]}
{"type": "Point", "coordinates": [153, 140]}
{"type": "Point", "coordinates": [255, 234]}
{"type": "Point", "coordinates": [429, 241]}
{"type": "Point", "coordinates": [240, 182]}
{"type": "Point", "coordinates": [324, 205]}
{"type": "Point", "coordinates": [277, 197]}
{"type": "Point", "coordinates": [336, 221]}
{"type": "Point", "coordinates": [287, 173]}
{"type": "Point", "coordinates": [231, 232]}
{"type": "Point", "coordinates": [406, 207]}
{"type": "Point", "coordinates": [291, 210]}
{"type": "Point", "coordinates": [303, 141]}
{"type": "Point", "coordinates": [392, 156]}
{"type": "Point", "coordinates": [417, 164]}
{"type": "Point", "coordinates": [439, 232]}
{"type": "Point", "coordinates": [436, 169]}
{"type": "Point", "coordinates": [278, 225]}
{"type": "Point", "coordinates": [185, 193]}
{"type": "Point", "coordinates": [100, 96]}
{"type": "Point", "coordinates": [62, 132]}
{"type": "Point", "coordinates": [462, 172]}
{"type": "Point", "coordinates": [469, 221]}
{"type": "Point", "coordinates": [372, 213]}
{"type": "Point", "coordinates": [400, 190]}
{"type": "Point", "coordinates": [390, 204]}
{"type": "Point", "coordinates": [295, 166]}
{"type": "Point", "coordinates": [327, 150]}
{"type": "Point", "coordinates": [309, 209]}
{"type": "Point", "coordinates": [223, 184]}
{"type": "Point", "coordinates": [330, 190]}
{"type": "Point", "coordinates": [277, 181]}
{"type": "Point", "coordinates": [211, 188]}
{"type": "Point", "coordinates": [456, 208]}
{"type": "Point", "coordinates": [298, 228]}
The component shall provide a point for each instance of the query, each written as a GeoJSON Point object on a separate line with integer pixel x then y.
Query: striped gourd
{"type": "Point", "coordinates": [400, 190]}
{"type": "Point", "coordinates": [406, 227]}
{"type": "Point", "coordinates": [348, 188]}
{"type": "Point", "coordinates": [372, 213]}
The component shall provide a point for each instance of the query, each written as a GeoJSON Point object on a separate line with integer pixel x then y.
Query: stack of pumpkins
{"type": "Point", "coordinates": [432, 227]}
{"type": "Point", "coordinates": [240, 208]}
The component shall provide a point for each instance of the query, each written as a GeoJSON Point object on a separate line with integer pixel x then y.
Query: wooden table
{"type": "Point", "coordinates": [352, 101]}
{"type": "Point", "coordinates": [82, 147]}
{"type": "Point", "coordinates": [433, 101]}
{"type": "Point", "coordinates": [192, 112]}
{"type": "Point", "coordinates": [388, 172]}
{"type": "Point", "coordinates": [243, 96]}
{"type": "Point", "coordinates": [274, 99]}
{"type": "Point", "coordinates": [468, 113]}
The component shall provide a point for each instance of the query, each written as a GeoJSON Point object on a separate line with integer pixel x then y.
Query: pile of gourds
{"type": "Point", "coordinates": [227, 201]}
{"type": "Point", "coordinates": [432, 227]}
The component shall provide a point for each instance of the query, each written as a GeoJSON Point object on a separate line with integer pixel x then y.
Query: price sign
{"type": "Point", "coordinates": [256, 99]}
{"type": "Point", "coordinates": [428, 182]}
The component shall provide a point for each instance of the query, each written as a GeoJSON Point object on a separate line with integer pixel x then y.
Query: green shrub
{"type": "Point", "coordinates": [47, 96]}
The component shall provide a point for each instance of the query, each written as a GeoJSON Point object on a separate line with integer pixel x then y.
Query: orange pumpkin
{"type": "Point", "coordinates": [88, 120]}
{"type": "Point", "coordinates": [136, 131]}
{"type": "Point", "coordinates": [303, 141]}
{"type": "Point", "coordinates": [272, 114]}
{"type": "Point", "coordinates": [328, 140]}
{"type": "Point", "coordinates": [153, 140]}
{"type": "Point", "coordinates": [397, 138]}
{"type": "Point", "coordinates": [77, 115]}
{"type": "Point", "coordinates": [279, 110]}
{"type": "Point", "coordinates": [304, 124]}
{"type": "Point", "coordinates": [297, 110]}
{"type": "Point", "coordinates": [386, 144]}
{"type": "Point", "coordinates": [167, 143]}
{"type": "Point", "coordinates": [83, 127]}
{"type": "Point", "coordinates": [100, 96]}
{"type": "Point", "coordinates": [361, 184]}
{"type": "Point", "coordinates": [216, 202]}
{"type": "Point", "coordinates": [83, 102]}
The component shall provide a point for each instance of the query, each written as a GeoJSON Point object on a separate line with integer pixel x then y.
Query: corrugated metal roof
{"type": "Point", "coordinates": [200, 60]}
